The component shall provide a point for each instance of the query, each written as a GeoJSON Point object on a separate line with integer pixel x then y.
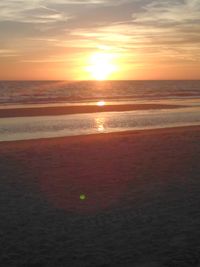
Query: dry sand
{"type": "Point", "coordinates": [142, 205]}
{"type": "Point", "coordinates": [61, 110]}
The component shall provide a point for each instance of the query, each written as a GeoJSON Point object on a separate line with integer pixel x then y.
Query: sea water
{"type": "Point", "coordinates": [47, 93]}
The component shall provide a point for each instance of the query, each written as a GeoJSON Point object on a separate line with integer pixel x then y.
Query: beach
{"type": "Point", "coordinates": [99, 133]}
{"type": "Point", "coordinates": [140, 206]}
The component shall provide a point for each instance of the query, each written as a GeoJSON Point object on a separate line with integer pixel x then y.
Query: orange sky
{"type": "Point", "coordinates": [129, 39]}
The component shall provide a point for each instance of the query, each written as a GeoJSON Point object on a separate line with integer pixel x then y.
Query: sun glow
{"type": "Point", "coordinates": [101, 66]}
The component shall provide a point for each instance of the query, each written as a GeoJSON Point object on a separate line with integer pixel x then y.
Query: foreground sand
{"type": "Point", "coordinates": [141, 207]}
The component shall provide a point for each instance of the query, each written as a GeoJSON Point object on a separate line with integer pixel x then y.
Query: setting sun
{"type": "Point", "coordinates": [101, 66]}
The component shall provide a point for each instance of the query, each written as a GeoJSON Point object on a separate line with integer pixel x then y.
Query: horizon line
{"type": "Point", "coordinates": [98, 81]}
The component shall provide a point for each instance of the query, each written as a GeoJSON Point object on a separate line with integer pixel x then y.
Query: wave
{"type": "Point", "coordinates": [33, 92]}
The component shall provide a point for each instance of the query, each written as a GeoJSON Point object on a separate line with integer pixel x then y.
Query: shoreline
{"type": "Point", "coordinates": [65, 110]}
{"type": "Point", "coordinates": [101, 136]}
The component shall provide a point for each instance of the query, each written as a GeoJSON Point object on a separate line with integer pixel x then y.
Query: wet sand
{"type": "Point", "coordinates": [62, 110]}
{"type": "Point", "coordinates": [141, 207]}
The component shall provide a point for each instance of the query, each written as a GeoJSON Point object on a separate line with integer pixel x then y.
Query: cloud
{"type": "Point", "coordinates": [8, 53]}
{"type": "Point", "coordinates": [140, 30]}
{"type": "Point", "coordinates": [168, 12]}
{"type": "Point", "coordinates": [29, 12]}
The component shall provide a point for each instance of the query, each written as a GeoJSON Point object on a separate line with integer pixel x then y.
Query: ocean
{"type": "Point", "coordinates": [46, 92]}
{"type": "Point", "coordinates": [33, 94]}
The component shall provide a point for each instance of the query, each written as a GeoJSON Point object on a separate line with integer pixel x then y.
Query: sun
{"type": "Point", "coordinates": [101, 66]}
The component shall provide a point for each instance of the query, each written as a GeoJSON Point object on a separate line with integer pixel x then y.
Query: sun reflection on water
{"type": "Point", "coordinates": [101, 103]}
{"type": "Point", "coordinates": [100, 124]}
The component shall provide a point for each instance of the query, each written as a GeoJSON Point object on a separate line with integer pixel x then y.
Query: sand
{"type": "Point", "coordinates": [141, 204]}
{"type": "Point", "coordinates": [62, 110]}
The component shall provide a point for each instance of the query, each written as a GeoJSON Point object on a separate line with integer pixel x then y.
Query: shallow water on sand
{"type": "Point", "coordinates": [23, 128]}
{"type": "Point", "coordinates": [34, 94]}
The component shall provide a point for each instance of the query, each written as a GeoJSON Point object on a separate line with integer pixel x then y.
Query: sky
{"type": "Point", "coordinates": [130, 39]}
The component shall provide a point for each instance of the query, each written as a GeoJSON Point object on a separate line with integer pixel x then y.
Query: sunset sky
{"type": "Point", "coordinates": [133, 39]}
